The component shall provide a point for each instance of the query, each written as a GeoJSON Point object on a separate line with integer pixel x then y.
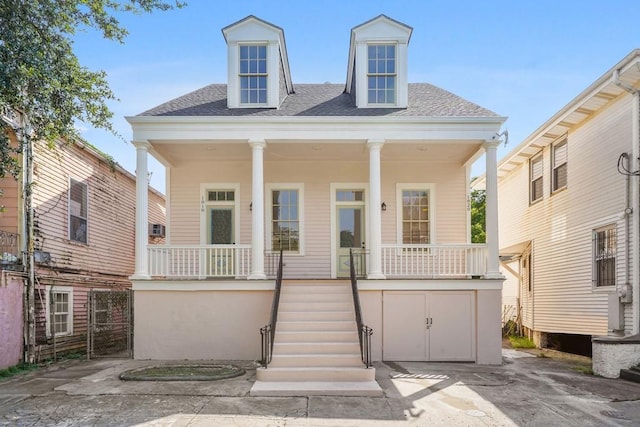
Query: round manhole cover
{"type": "Point", "coordinates": [182, 373]}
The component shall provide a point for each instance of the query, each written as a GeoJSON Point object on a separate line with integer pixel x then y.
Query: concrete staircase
{"type": "Point", "coordinates": [631, 374]}
{"type": "Point", "coordinates": [316, 349]}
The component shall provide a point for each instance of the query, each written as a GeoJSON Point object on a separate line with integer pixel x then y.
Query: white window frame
{"type": "Point", "coordinates": [69, 214]}
{"type": "Point", "coordinates": [204, 203]}
{"type": "Point", "coordinates": [554, 167]}
{"type": "Point", "coordinates": [266, 75]}
{"type": "Point", "coordinates": [269, 188]}
{"type": "Point", "coordinates": [375, 75]}
{"type": "Point", "coordinates": [431, 188]}
{"type": "Point", "coordinates": [533, 178]}
{"type": "Point", "coordinates": [61, 290]}
{"type": "Point", "coordinates": [595, 257]}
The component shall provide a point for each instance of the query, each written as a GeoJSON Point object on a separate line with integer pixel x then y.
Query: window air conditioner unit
{"type": "Point", "coordinates": [156, 230]}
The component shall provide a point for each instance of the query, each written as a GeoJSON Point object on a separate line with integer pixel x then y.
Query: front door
{"type": "Point", "coordinates": [350, 235]}
{"type": "Point", "coordinates": [220, 232]}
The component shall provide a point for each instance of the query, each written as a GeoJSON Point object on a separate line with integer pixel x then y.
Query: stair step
{"type": "Point", "coordinates": [324, 336]}
{"type": "Point", "coordinates": [316, 348]}
{"type": "Point", "coordinates": [630, 375]}
{"type": "Point", "coordinates": [315, 373]}
{"type": "Point", "coordinates": [635, 368]}
{"type": "Point", "coordinates": [316, 297]}
{"type": "Point", "coordinates": [315, 306]}
{"type": "Point", "coordinates": [315, 315]}
{"type": "Point", "coordinates": [316, 360]}
{"type": "Point", "coordinates": [315, 388]}
{"type": "Point", "coordinates": [316, 325]}
{"type": "Point", "coordinates": [316, 289]}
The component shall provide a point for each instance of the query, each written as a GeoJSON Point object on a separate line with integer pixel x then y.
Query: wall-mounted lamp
{"type": "Point", "coordinates": [251, 207]}
{"type": "Point", "coordinates": [383, 206]}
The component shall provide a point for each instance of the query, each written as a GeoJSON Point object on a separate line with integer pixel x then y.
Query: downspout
{"type": "Point", "coordinates": [632, 209]}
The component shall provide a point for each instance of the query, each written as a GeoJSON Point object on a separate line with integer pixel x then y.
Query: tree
{"type": "Point", "coordinates": [478, 222]}
{"type": "Point", "coordinates": [45, 91]}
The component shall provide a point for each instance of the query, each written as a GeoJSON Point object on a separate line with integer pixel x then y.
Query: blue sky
{"type": "Point", "coordinates": [521, 59]}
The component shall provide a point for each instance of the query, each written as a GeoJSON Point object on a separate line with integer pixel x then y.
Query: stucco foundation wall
{"type": "Point", "coordinates": [371, 303]}
{"type": "Point", "coordinates": [198, 325]}
{"type": "Point", "coordinates": [10, 321]}
{"type": "Point", "coordinates": [609, 358]}
{"type": "Point", "coordinates": [489, 339]}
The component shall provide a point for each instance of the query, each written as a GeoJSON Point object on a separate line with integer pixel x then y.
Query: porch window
{"type": "Point", "coordinates": [77, 211]}
{"type": "Point", "coordinates": [253, 74]}
{"type": "Point", "coordinates": [59, 311]}
{"type": "Point", "coordinates": [535, 168]}
{"type": "Point", "coordinates": [415, 208]}
{"type": "Point", "coordinates": [559, 161]}
{"type": "Point", "coordinates": [604, 256]}
{"type": "Point", "coordinates": [286, 219]}
{"type": "Point", "coordinates": [381, 74]}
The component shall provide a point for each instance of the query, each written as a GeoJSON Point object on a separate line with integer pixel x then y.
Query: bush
{"type": "Point", "coordinates": [521, 342]}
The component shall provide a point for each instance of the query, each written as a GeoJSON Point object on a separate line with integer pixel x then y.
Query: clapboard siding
{"type": "Point", "coordinates": [317, 176]}
{"type": "Point", "coordinates": [560, 225]}
{"type": "Point", "coordinates": [111, 210]}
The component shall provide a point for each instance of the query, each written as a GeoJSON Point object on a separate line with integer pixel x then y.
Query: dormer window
{"type": "Point", "coordinates": [381, 74]}
{"type": "Point", "coordinates": [253, 74]}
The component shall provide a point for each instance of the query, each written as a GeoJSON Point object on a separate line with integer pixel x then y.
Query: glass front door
{"type": "Point", "coordinates": [350, 229]}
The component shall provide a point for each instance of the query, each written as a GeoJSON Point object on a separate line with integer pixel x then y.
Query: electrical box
{"type": "Point", "coordinates": [616, 313]}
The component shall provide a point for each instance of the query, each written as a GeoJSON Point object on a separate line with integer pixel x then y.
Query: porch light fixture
{"type": "Point", "coordinates": [251, 207]}
{"type": "Point", "coordinates": [383, 206]}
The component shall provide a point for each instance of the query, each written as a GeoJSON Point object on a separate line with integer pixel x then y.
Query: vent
{"type": "Point", "coordinates": [156, 230]}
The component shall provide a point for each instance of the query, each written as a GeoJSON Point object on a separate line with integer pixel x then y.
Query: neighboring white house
{"type": "Point", "coordinates": [259, 164]}
{"type": "Point", "coordinates": [569, 222]}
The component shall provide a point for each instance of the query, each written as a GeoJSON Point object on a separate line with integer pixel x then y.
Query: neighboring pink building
{"type": "Point", "coordinates": [84, 205]}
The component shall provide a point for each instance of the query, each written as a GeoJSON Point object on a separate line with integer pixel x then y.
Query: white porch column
{"type": "Point", "coordinates": [491, 214]}
{"type": "Point", "coordinates": [257, 213]}
{"type": "Point", "coordinates": [142, 211]}
{"type": "Point", "coordinates": [375, 216]}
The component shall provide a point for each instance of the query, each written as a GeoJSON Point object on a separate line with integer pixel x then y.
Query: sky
{"type": "Point", "coordinates": [524, 59]}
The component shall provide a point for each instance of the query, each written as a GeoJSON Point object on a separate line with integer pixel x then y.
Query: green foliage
{"type": "Point", "coordinates": [42, 80]}
{"type": "Point", "coordinates": [478, 222]}
{"type": "Point", "coordinates": [18, 369]}
{"type": "Point", "coordinates": [585, 369]}
{"type": "Point", "coordinates": [521, 342]}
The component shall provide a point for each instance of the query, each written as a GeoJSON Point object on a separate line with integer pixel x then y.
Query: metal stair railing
{"type": "Point", "coordinates": [268, 332]}
{"type": "Point", "coordinates": [364, 331]}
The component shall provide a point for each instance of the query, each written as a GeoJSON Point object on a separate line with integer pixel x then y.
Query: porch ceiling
{"type": "Point", "coordinates": [181, 153]}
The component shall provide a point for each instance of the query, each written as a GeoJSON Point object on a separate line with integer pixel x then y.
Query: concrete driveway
{"type": "Point", "coordinates": [525, 390]}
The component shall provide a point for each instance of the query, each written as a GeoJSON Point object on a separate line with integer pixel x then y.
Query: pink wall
{"type": "Point", "coordinates": [10, 321]}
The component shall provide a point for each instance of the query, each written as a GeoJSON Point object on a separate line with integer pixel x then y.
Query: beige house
{"type": "Point", "coordinates": [377, 166]}
{"type": "Point", "coordinates": [84, 216]}
{"type": "Point", "coordinates": [569, 223]}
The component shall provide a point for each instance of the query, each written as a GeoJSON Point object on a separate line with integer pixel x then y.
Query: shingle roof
{"type": "Point", "coordinates": [322, 100]}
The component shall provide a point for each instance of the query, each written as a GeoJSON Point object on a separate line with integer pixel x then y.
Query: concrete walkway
{"type": "Point", "coordinates": [525, 390]}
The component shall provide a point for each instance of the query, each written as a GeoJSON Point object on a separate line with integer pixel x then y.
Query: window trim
{"type": "Point", "coordinates": [431, 188]}
{"type": "Point", "coordinates": [204, 203]}
{"type": "Point", "coordinates": [395, 74]}
{"type": "Point", "coordinates": [559, 143]}
{"type": "Point", "coordinates": [594, 274]}
{"type": "Point", "coordinates": [533, 159]}
{"type": "Point", "coordinates": [69, 214]}
{"type": "Point", "coordinates": [58, 289]}
{"type": "Point", "coordinates": [269, 188]}
{"type": "Point", "coordinates": [267, 76]}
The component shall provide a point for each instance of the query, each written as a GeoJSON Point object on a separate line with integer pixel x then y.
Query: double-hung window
{"type": "Point", "coordinates": [381, 73]}
{"type": "Point", "coordinates": [78, 211]}
{"type": "Point", "coordinates": [286, 223]}
{"type": "Point", "coordinates": [416, 218]}
{"type": "Point", "coordinates": [253, 74]}
{"type": "Point", "coordinates": [559, 166]}
{"type": "Point", "coordinates": [536, 180]}
{"type": "Point", "coordinates": [604, 256]}
{"type": "Point", "coordinates": [59, 311]}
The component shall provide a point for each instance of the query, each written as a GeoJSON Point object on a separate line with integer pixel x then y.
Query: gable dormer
{"type": "Point", "coordinates": [257, 64]}
{"type": "Point", "coordinates": [377, 70]}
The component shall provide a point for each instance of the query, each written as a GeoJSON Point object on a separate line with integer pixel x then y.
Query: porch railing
{"type": "Point", "coordinates": [434, 261]}
{"type": "Point", "coordinates": [199, 261]}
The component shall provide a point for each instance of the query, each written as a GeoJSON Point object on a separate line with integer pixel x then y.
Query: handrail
{"type": "Point", "coordinates": [364, 332]}
{"type": "Point", "coordinates": [268, 331]}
